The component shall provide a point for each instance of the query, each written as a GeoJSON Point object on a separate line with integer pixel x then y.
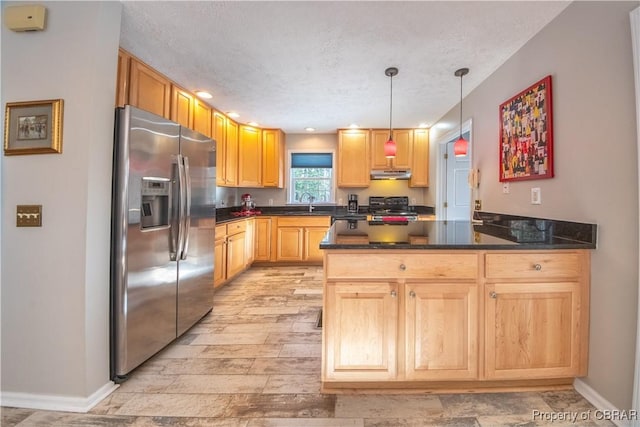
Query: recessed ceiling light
{"type": "Point", "coordinates": [233, 114]}
{"type": "Point", "coordinates": [204, 94]}
{"type": "Point", "coordinates": [253, 124]}
{"type": "Point", "coordinates": [310, 129]}
{"type": "Point", "coordinates": [354, 126]}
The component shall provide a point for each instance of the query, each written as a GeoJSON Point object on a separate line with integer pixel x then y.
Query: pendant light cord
{"type": "Point", "coordinates": [391, 108]}
{"type": "Point", "coordinates": [461, 105]}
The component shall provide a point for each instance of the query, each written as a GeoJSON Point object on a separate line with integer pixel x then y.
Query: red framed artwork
{"type": "Point", "coordinates": [526, 134]}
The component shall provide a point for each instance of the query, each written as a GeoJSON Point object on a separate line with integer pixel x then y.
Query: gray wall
{"type": "Point", "coordinates": [587, 51]}
{"type": "Point", "coordinates": [55, 279]}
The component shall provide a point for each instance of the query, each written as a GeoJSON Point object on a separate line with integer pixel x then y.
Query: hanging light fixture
{"type": "Point", "coordinates": [390, 145]}
{"type": "Point", "coordinates": [460, 146]}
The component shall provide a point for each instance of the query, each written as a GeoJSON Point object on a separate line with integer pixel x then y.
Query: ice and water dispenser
{"type": "Point", "coordinates": [156, 203]}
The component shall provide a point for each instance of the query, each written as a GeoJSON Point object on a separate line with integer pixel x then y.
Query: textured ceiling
{"type": "Point", "coordinates": [296, 64]}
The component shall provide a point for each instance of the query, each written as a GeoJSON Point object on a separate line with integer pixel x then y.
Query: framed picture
{"type": "Point", "coordinates": [33, 127]}
{"type": "Point", "coordinates": [526, 134]}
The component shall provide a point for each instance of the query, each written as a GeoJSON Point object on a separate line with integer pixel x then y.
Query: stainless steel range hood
{"type": "Point", "coordinates": [390, 174]}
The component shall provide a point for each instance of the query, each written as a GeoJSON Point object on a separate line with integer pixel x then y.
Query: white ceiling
{"type": "Point", "coordinates": [291, 65]}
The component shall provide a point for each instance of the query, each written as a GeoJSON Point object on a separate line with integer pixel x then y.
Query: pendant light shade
{"type": "Point", "coordinates": [461, 146]}
{"type": "Point", "coordinates": [390, 145]}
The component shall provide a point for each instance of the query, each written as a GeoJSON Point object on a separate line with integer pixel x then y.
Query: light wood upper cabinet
{"type": "Point", "coordinates": [272, 158]}
{"type": "Point", "coordinates": [225, 132]}
{"type": "Point", "coordinates": [202, 118]}
{"type": "Point", "coordinates": [249, 157]}
{"type": "Point", "coordinates": [361, 324]}
{"type": "Point", "coordinates": [149, 90]}
{"type": "Point", "coordinates": [182, 103]}
{"type": "Point", "coordinates": [404, 149]}
{"type": "Point", "coordinates": [353, 158]}
{"type": "Point", "coordinates": [420, 159]}
{"type": "Point", "coordinates": [441, 331]}
{"type": "Point", "coordinates": [122, 80]}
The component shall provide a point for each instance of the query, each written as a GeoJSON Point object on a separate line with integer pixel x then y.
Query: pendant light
{"type": "Point", "coordinates": [460, 146]}
{"type": "Point", "coordinates": [390, 145]}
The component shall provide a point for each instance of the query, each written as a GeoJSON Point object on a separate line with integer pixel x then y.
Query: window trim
{"type": "Point", "coordinates": [288, 173]}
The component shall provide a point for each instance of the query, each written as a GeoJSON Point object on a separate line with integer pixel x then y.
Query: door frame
{"type": "Point", "coordinates": [441, 165]}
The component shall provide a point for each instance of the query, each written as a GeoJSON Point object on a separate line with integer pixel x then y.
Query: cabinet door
{"type": "Point", "coordinates": [250, 157]}
{"type": "Point", "coordinates": [290, 244]}
{"type": "Point", "coordinates": [219, 134]}
{"type": "Point", "coordinates": [532, 330]}
{"type": "Point", "coordinates": [231, 154]}
{"type": "Point", "coordinates": [353, 158]}
{"type": "Point", "coordinates": [149, 90]}
{"type": "Point", "coordinates": [220, 262]}
{"type": "Point", "coordinates": [235, 254]}
{"type": "Point", "coordinates": [182, 107]}
{"type": "Point", "coordinates": [360, 331]}
{"type": "Point", "coordinates": [249, 240]}
{"type": "Point", "coordinates": [420, 159]}
{"type": "Point", "coordinates": [312, 238]}
{"type": "Point", "coordinates": [202, 118]}
{"type": "Point", "coordinates": [272, 158]}
{"type": "Point", "coordinates": [263, 239]}
{"type": "Point", "coordinates": [404, 149]}
{"type": "Point", "coordinates": [441, 331]}
{"type": "Point", "coordinates": [122, 80]}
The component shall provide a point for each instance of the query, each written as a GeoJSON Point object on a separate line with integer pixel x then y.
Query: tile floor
{"type": "Point", "coordinates": [255, 362]}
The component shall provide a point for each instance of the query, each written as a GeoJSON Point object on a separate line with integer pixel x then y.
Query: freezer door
{"type": "Point", "coordinates": [195, 267]}
{"type": "Point", "coordinates": [144, 266]}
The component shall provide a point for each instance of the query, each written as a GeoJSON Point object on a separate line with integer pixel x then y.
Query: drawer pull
{"type": "Point", "coordinates": [493, 294]}
{"type": "Point", "coordinates": [537, 267]}
{"type": "Point", "coordinates": [412, 294]}
{"type": "Point", "coordinates": [403, 267]}
{"type": "Point", "coordinates": [394, 294]}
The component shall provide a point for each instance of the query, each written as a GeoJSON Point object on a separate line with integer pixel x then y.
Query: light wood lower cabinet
{"type": "Point", "coordinates": [441, 338]}
{"type": "Point", "coordinates": [233, 249]}
{"type": "Point", "coordinates": [521, 320]}
{"type": "Point", "coordinates": [363, 319]}
{"type": "Point", "coordinates": [262, 250]}
{"type": "Point", "coordinates": [298, 238]}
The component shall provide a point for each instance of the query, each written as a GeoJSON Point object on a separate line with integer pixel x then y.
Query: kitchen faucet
{"type": "Point", "coordinates": [311, 199]}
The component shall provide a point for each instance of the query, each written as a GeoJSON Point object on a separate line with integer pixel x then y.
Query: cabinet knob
{"type": "Point", "coordinates": [403, 267]}
{"type": "Point", "coordinates": [493, 294]}
{"type": "Point", "coordinates": [412, 294]}
{"type": "Point", "coordinates": [394, 294]}
{"type": "Point", "coordinates": [537, 267]}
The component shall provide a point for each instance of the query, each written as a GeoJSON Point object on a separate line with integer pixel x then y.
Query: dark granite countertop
{"type": "Point", "coordinates": [335, 212]}
{"type": "Point", "coordinates": [496, 231]}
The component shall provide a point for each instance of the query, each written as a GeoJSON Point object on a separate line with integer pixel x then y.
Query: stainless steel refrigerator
{"type": "Point", "coordinates": [163, 221]}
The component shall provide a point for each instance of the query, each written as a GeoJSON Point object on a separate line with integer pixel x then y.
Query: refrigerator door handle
{"type": "Point", "coordinates": [181, 205]}
{"type": "Point", "coordinates": [187, 214]}
{"type": "Point", "coordinates": [174, 235]}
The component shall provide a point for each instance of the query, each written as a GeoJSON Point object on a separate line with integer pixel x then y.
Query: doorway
{"type": "Point", "coordinates": [453, 195]}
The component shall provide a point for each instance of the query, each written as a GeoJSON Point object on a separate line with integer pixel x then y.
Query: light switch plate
{"type": "Point", "coordinates": [536, 196]}
{"type": "Point", "coordinates": [29, 216]}
{"type": "Point", "coordinates": [505, 188]}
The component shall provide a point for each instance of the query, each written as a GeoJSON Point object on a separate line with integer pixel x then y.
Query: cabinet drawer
{"type": "Point", "coordinates": [236, 227]}
{"type": "Point", "coordinates": [221, 231]}
{"type": "Point", "coordinates": [304, 221]}
{"type": "Point", "coordinates": [533, 265]}
{"type": "Point", "coordinates": [397, 265]}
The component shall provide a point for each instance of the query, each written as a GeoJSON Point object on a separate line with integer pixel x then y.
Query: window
{"type": "Point", "coordinates": [311, 175]}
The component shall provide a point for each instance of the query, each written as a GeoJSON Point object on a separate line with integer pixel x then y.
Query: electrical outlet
{"type": "Point", "coordinates": [536, 196]}
{"type": "Point", "coordinates": [413, 201]}
{"type": "Point", "coordinates": [505, 188]}
{"type": "Point", "coordinates": [478, 205]}
{"type": "Point", "coordinates": [339, 202]}
{"type": "Point", "coordinates": [270, 202]}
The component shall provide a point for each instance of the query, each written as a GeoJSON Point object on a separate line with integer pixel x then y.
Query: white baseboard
{"type": "Point", "coordinates": [598, 401]}
{"type": "Point", "coordinates": [57, 403]}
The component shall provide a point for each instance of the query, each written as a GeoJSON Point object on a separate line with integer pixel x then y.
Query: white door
{"type": "Point", "coordinates": [457, 200]}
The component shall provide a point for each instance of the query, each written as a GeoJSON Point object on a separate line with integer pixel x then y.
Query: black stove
{"type": "Point", "coordinates": [391, 210]}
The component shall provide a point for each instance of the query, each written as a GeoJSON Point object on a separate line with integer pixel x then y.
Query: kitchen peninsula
{"type": "Point", "coordinates": [496, 304]}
